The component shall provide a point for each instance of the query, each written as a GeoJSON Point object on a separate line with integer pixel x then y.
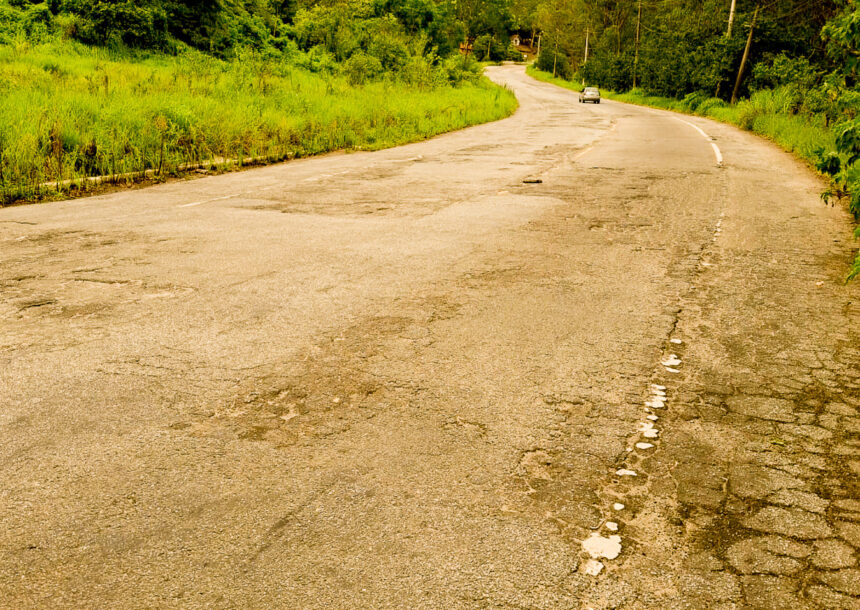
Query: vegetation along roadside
{"type": "Point", "coordinates": [106, 89]}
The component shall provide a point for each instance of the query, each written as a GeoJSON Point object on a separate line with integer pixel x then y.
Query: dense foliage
{"type": "Point", "coordinates": [387, 30]}
{"type": "Point", "coordinates": [676, 47]}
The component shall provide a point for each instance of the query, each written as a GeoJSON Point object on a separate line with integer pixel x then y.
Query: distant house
{"type": "Point", "coordinates": [524, 43]}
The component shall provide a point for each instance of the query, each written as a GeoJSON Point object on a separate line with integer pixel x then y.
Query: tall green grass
{"type": "Point", "coordinates": [547, 77]}
{"type": "Point", "coordinates": [68, 111]}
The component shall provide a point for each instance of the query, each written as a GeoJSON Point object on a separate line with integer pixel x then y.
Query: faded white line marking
{"type": "Point", "coordinates": [191, 205]}
{"type": "Point", "coordinates": [717, 154]}
{"type": "Point", "coordinates": [583, 153]}
{"type": "Point", "coordinates": [315, 178]}
{"type": "Point", "coordinates": [696, 127]}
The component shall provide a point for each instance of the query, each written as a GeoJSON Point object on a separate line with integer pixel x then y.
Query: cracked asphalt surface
{"type": "Point", "coordinates": [408, 379]}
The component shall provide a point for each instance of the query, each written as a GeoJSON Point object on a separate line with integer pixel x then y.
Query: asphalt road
{"type": "Point", "coordinates": [409, 379]}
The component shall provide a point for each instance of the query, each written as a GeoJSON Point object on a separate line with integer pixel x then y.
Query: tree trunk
{"type": "Point", "coordinates": [554, 58]}
{"type": "Point", "coordinates": [731, 19]}
{"type": "Point", "coordinates": [636, 53]}
{"type": "Point", "coordinates": [585, 61]}
{"type": "Point", "coordinates": [745, 57]}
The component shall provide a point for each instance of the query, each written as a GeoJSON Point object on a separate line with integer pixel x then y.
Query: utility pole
{"type": "Point", "coordinates": [728, 35]}
{"type": "Point", "coordinates": [745, 57]}
{"type": "Point", "coordinates": [585, 61]}
{"type": "Point", "coordinates": [555, 56]}
{"type": "Point", "coordinates": [731, 19]}
{"type": "Point", "coordinates": [636, 54]}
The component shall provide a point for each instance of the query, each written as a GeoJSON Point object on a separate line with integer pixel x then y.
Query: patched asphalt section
{"type": "Point", "coordinates": [754, 499]}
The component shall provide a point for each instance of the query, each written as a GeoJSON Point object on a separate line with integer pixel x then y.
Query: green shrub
{"type": "Point", "coordinates": [514, 54]}
{"type": "Point", "coordinates": [693, 100]}
{"type": "Point", "coordinates": [819, 102]}
{"type": "Point", "coordinates": [706, 107]}
{"type": "Point", "coordinates": [783, 70]}
{"type": "Point", "coordinates": [318, 59]}
{"type": "Point", "coordinates": [391, 51]}
{"type": "Point", "coordinates": [548, 59]}
{"type": "Point", "coordinates": [609, 72]}
{"type": "Point", "coordinates": [10, 24]}
{"type": "Point", "coordinates": [460, 69]}
{"type": "Point", "coordinates": [361, 68]}
{"type": "Point", "coordinates": [421, 73]}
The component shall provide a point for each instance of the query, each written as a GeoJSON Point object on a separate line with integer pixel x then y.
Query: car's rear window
{"type": "Point", "coordinates": [591, 89]}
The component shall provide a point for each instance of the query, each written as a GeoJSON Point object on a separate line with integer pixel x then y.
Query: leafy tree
{"type": "Point", "coordinates": [842, 36]}
{"type": "Point", "coordinates": [137, 24]}
{"type": "Point", "coordinates": [683, 46]}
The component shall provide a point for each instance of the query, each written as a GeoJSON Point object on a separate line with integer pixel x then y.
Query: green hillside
{"type": "Point", "coordinates": [121, 89]}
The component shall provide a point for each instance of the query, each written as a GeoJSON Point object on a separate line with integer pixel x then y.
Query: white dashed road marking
{"type": "Point", "coordinates": [717, 154]}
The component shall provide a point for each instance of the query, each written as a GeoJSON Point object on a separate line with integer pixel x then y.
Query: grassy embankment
{"type": "Point", "coordinates": [766, 113]}
{"type": "Point", "coordinates": [68, 111]}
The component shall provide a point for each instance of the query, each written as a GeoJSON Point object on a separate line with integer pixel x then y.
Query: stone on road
{"type": "Point", "coordinates": [416, 378]}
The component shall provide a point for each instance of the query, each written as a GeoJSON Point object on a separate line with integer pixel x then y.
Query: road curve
{"type": "Point", "coordinates": [409, 378]}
